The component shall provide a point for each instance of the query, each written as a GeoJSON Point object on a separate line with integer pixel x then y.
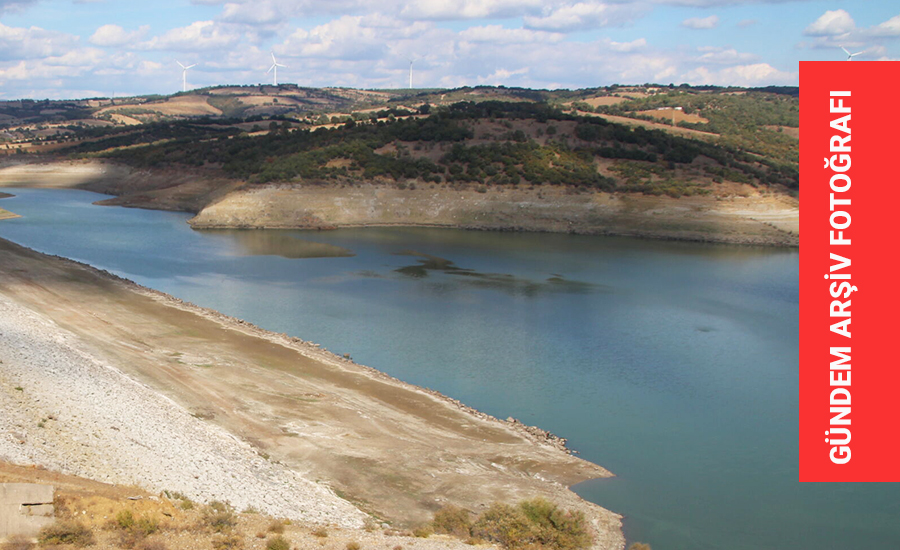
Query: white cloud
{"type": "Point", "coordinates": [583, 15]}
{"type": "Point", "coordinates": [710, 22]}
{"type": "Point", "coordinates": [716, 3]}
{"type": "Point", "coordinates": [627, 47]}
{"type": "Point", "coordinates": [496, 34]}
{"type": "Point", "coordinates": [831, 23]}
{"type": "Point", "coordinates": [743, 24]}
{"type": "Point", "coordinates": [345, 38]}
{"type": "Point", "coordinates": [198, 36]}
{"type": "Point", "coordinates": [256, 13]}
{"type": "Point", "coordinates": [727, 56]}
{"type": "Point", "coordinates": [20, 43]}
{"type": "Point", "coordinates": [891, 27]}
{"type": "Point", "coordinates": [757, 74]}
{"type": "Point", "coordinates": [468, 9]}
{"type": "Point", "coordinates": [114, 35]}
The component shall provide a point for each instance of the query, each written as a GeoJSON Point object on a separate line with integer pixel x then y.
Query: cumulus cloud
{"type": "Point", "coordinates": [198, 36]}
{"type": "Point", "coordinates": [500, 35]}
{"type": "Point", "coordinates": [710, 22]}
{"type": "Point", "coordinates": [757, 74]}
{"type": "Point", "coordinates": [583, 15]}
{"type": "Point", "coordinates": [716, 3]}
{"type": "Point", "coordinates": [468, 9]}
{"type": "Point", "coordinates": [20, 43]}
{"type": "Point", "coordinates": [627, 47]}
{"type": "Point", "coordinates": [831, 23]}
{"type": "Point", "coordinates": [728, 56]}
{"type": "Point", "coordinates": [114, 35]}
{"type": "Point", "coordinates": [346, 37]}
{"type": "Point", "coordinates": [891, 27]}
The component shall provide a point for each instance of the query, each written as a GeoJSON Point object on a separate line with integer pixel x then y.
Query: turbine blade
{"type": "Point", "coordinates": [270, 69]}
{"type": "Point", "coordinates": [273, 58]}
{"type": "Point", "coordinates": [182, 66]}
{"type": "Point", "coordinates": [189, 66]}
{"type": "Point", "coordinates": [845, 50]}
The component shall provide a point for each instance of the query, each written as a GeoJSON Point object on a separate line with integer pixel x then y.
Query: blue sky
{"type": "Point", "coordinates": [88, 48]}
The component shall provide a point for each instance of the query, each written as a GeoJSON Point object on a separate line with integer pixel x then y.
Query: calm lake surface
{"type": "Point", "coordinates": [674, 365]}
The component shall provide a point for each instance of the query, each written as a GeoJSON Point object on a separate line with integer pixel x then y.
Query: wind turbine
{"type": "Point", "coordinates": [184, 74]}
{"type": "Point", "coordinates": [850, 55]}
{"type": "Point", "coordinates": [411, 61]}
{"type": "Point", "coordinates": [274, 67]}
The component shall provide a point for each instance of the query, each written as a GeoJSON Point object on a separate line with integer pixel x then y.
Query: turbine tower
{"type": "Point", "coordinates": [274, 68]}
{"type": "Point", "coordinates": [850, 56]}
{"type": "Point", "coordinates": [184, 75]}
{"type": "Point", "coordinates": [411, 61]}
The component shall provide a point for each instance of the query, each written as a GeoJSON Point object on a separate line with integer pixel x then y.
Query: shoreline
{"type": "Point", "coordinates": [544, 459]}
{"type": "Point", "coordinates": [217, 202]}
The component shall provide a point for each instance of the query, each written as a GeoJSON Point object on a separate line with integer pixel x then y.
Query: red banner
{"type": "Point", "coordinates": [849, 377]}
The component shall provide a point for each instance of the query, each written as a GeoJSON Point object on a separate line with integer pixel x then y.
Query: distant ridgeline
{"type": "Point", "coordinates": [748, 137]}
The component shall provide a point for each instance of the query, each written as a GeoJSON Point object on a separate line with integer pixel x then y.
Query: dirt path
{"type": "Point", "coordinates": [396, 451]}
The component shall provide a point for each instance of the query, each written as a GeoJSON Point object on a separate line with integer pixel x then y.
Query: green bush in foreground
{"type": "Point", "coordinates": [66, 532]}
{"type": "Point", "coordinates": [533, 524]}
{"type": "Point", "coordinates": [278, 543]}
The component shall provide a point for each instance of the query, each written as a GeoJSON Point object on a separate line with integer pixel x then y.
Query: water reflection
{"type": "Point", "coordinates": [278, 243]}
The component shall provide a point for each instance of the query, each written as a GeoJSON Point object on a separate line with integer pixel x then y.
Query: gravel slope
{"type": "Point", "coordinates": [65, 409]}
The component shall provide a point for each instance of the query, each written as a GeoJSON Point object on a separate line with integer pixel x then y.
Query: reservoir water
{"type": "Point", "coordinates": [672, 364]}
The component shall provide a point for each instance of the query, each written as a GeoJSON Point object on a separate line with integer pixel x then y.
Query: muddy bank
{"type": "Point", "coordinates": [733, 213]}
{"type": "Point", "coordinates": [393, 450]}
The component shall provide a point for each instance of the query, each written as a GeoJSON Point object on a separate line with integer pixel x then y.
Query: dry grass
{"type": "Point", "coordinates": [607, 100]}
{"type": "Point", "coordinates": [17, 543]}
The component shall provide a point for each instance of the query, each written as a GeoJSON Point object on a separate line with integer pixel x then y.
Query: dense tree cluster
{"type": "Point", "coordinates": [392, 145]}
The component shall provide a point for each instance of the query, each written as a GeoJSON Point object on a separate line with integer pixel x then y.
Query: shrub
{"type": "Point", "coordinates": [505, 525]}
{"type": "Point", "coordinates": [278, 543]}
{"type": "Point", "coordinates": [320, 532]}
{"type": "Point", "coordinates": [639, 546]}
{"type": "Point", "coordinates": [219, 517]}
{"type": "Point", "coordinates": [561, 529]}
{"type": "Point", "coordinates": [353, 545]}
{"type": "Point", "coordinates": [452, 520]}
{"type": "Point", "coordinates": [532, 524]}
{"type": "Point", "coordinates": [146, 526]}
{"type": "Point", "coordinates": [66, 532]}
{"type": "Point", "coordinates": [152, 545]}
{"type": "Point", "coordinates": [125, 519]}
{"type": "Point", "coordinates": [276, 526]}
{"type": "Point", "coordinates": [228, 542]}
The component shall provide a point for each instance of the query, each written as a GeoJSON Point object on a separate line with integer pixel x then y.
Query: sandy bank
{"type": "Point", "coordinates": [741, 216]}
{"type": "Point", "coordinates": [207, 398]}
{"type": "Point", "coordinates": [757, 219]}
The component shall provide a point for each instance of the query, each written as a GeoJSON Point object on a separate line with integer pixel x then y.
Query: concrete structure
{"type": "Point", "coordinates": [24, 509]}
